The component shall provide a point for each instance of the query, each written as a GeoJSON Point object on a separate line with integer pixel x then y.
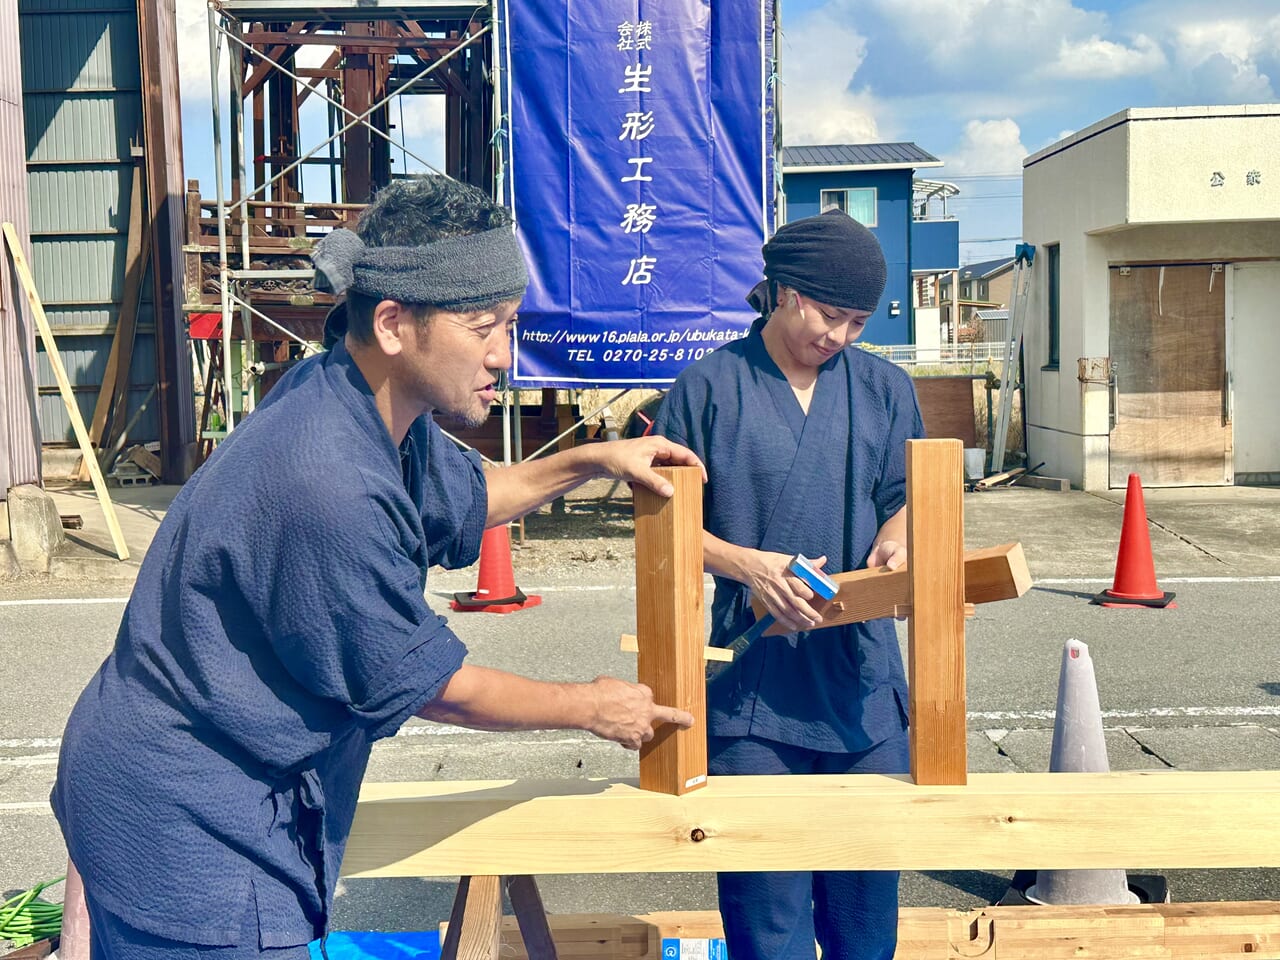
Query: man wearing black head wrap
{"type": "Point", "coordinates": [804, 441]}
{"type": "Point", "coordinates": [208, 777]}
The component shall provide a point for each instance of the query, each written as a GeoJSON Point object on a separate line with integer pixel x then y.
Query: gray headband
{"type": "Point", "coordinates": [479, 268]}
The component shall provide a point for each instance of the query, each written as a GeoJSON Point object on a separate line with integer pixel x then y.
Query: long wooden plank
{"type": "Point", "coordinates": [1155, 819]}
{"type": "Point", "coordinates": [669, 627]}
{"type": "Point", "coordinates": [935, 629]}
{"type": "Point", "coordinates": [64, 387]}
{"type": "Point", "coordinates": [126, 329]}
{"type": "Point", "coordinates": [132, 276]}
{"type": "Point", "coordinates": [990, 574]}
{"type": "Point", "coordinates": [1176, 931]}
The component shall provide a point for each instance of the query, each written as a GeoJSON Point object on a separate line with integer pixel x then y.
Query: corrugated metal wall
{"type": "Point", "coordinates": [19, 433]}
{"type": "Point", "coordinates": [81, 83]}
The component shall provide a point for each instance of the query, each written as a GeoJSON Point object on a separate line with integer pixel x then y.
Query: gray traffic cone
{"type": "Point", "coordinates": [1079, 747]}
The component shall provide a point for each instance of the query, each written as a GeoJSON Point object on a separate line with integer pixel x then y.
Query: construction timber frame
{"type": "Point", "coordinates": [249, 289]}
{"type": "Point", "coordinates": [938, 818]}
{"type": "Point", "coordinates": [247, 247]}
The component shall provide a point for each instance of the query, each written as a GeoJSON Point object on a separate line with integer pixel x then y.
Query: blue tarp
{"type": "Point", "coordinates": [361, 945]}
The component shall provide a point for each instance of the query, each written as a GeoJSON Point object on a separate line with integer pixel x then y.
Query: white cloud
{"type": "Point", "coordinates": [1217, 60]}
{"type": "Point", "coordinates": [192, 28]}
{"type": "Point", "coordinates": [1196, 41]}
{"type": "Point", "coordinates": [1229, 79]}
{"type": "Point", "coordinates": [950, 34]}
{"type": "Point", "coordinates": [820, 56]}
{"type": "Point", "coordinates": [422, 130]}
{"type": "Point", "coordinates": [192, 24]}
{"type": "Point", "coordinates": [1099, 59]}
{"type": "Point", "coordinates": [987, 147]}
{"type": "Point", "coordinates": [1216, 55]}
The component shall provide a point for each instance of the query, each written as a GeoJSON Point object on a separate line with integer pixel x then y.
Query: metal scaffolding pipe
{"type": "Point", "coordinates": [363, 117]}
{"type": "Point", "coordinates": [223, 279]}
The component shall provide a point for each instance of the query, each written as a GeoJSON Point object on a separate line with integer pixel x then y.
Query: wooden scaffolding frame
{"type": "Point", "coordinates": [938, 818]}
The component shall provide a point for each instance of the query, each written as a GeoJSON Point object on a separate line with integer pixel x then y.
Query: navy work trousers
{"type": "Point", "coordinates": [777, 916]}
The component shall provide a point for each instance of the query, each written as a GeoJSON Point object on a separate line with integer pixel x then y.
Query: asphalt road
{"type": "Point", "coordinates": [1197, 687]}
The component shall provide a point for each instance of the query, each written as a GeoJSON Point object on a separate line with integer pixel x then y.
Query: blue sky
{"type": "Point", "coordinates": [978, 83]}
{"type": "Point", "coordinates": [981, 84]}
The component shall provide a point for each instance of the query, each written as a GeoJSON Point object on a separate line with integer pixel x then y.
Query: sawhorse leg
{"type": "Point", "coordinates": [475, 922]}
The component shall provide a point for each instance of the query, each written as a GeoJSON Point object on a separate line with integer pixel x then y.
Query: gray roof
{"type": "Point", "coordinates": [984, 268]}
{"type": "Point", "coordinates": [1001, 314]}
{"type": "Point", "coordinates": [858, 155]}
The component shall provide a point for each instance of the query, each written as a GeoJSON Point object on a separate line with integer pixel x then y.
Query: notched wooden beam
{"type": "Point", "coordinates": [990, 574]}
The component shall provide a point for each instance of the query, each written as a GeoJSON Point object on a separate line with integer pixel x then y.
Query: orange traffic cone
{"type": "Point", "coordinates": [496, 591]}
{"type": "Point", "coordinates": [1135, 580]}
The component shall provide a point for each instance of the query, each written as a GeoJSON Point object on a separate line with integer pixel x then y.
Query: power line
{"type": "Point", "coordinates": [985, 176]}
{"type": "Point", "coordinates": [991, 240]}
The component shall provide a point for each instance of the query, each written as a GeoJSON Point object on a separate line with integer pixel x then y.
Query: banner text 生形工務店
{"type": "Point", "coordinates": [640, 173]}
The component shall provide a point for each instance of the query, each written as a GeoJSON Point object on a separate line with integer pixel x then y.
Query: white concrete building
{"type": "Point", "coordinates": [1152, 339]}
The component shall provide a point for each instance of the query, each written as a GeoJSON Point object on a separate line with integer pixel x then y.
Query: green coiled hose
{"type": "Point", "coordinates": [24, 919]}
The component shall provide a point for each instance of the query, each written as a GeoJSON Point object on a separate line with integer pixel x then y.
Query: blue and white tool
{"type": "Point", "coordinates": [800, 567]}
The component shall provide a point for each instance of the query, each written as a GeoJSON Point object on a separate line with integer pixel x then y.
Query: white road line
{"type": "Point", "coordinates": [62, 602]}
{"type": "Point", "coordinates": [1067, 581]}
{"type": "Point", "coordinates": [447, 731]}
{"type": "Point", "coordinates": [32, 743]}
{"type": "Point", "coordinates": [978, 716]}
{"type": "Point", "coordinates": [1149, 714]}
{"type": "Point", "coordinates": [35, 806]}
{"type": "Point", "coordinates": [628, 586]}
{"type": "Point", "coordinates": [584, 588]}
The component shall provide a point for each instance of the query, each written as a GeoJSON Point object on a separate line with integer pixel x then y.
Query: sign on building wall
{"type": "Point", "coordinates": [640, 174]}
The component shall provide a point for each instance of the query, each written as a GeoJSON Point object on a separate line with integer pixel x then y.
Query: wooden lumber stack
{"type": "Point", "coordinates": [1175, 931]}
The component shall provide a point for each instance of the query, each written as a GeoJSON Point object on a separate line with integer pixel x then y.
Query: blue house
{"type": "Point", "coordinates": [875, 184]}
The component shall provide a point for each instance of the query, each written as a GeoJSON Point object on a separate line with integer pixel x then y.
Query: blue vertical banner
{"type": "Point", "coordinates": [641, 177]}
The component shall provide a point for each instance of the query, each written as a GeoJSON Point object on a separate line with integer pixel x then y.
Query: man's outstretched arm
{"type": "Point", "coordinates": [612, 709]}
{"type": "Point", "coordinates": [522, 487]}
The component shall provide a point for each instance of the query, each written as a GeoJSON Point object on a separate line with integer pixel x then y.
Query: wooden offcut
{"type": "Point", "coordinates": [996, 479]}
{"type": "Point", "coordinates": [936, 674]}
{"type": "Point", "coordinates": [1035, 821]}
{"type": "Point", "coordinates": [669, 627]}
{"type": "Point", "coordinates": [64, 387]}
{"type": "Point", "coordinates": [629, 644]}
{"type": "Point", "coordinates": [990, 574]}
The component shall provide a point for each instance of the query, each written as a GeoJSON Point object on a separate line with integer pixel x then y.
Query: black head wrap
{"type": "Point", "coordinates": [831, 258]}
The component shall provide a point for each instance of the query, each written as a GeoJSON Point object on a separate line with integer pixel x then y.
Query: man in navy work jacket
{"type": "Point", "coordinates": [208, 774]}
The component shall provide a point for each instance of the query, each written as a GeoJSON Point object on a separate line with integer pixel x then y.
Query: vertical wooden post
{"type": "Point", "coordinates": [193, 278]}
{"type": "Point", "coordinates": [935, 543]}
{"type": "Point", "coordinates": [122, 340]}
{"type": "Point", "coordinates": [669, 628]}
{"type": "Point", "coordinates": [475, 924]}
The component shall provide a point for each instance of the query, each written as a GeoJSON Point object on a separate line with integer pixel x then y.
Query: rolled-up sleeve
{"type": "Point", "coordinates": [455, 500]}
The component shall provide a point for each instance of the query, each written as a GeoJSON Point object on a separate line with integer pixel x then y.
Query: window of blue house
{"type": "Point", "coordinates": [857, 202]}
